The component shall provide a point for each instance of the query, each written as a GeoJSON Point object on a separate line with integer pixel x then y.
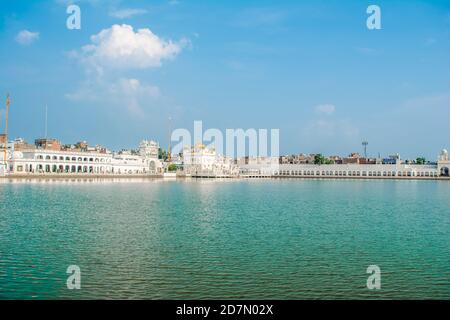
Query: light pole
{"type": "Point", "coordinates": [365, 144]}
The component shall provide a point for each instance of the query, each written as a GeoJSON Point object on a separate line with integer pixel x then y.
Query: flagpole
{"type": "Point", "coordinates": [46, 121]}
{"type": "Point", "coordinates": [8, 102]}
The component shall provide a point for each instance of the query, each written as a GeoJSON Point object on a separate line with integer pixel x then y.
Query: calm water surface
{"type": "Point", "coordinates": [283, 239]}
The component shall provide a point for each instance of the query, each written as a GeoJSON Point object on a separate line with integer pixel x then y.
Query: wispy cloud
{"type": "Point", "coordinates": [126, 13]}
{"type": "Point", "coordinates": [257, 17]}
{"type": "Point", "coordinates": [368, 51]}
{"type": "Point", "coordinates": [325, 109]}
{"type": "Point", "coordinates": [328, 131]}
{"type": "Point", "coordinates": [26, 37]}
{"type": "Point", "coordinates": [125, 92]}
{"type": "Point", "coordinates": [427, 103]}
{"type": "Point", "coordinates": [335, 128]}
{"type": "Point", "coordinates": [90, 2]}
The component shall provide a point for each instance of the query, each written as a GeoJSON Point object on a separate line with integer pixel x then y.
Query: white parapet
{"type": "Point", "coordinates": [345, 170]}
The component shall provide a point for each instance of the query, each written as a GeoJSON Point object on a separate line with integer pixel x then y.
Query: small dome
{"type": "Point", "coordinates": [444, 151]}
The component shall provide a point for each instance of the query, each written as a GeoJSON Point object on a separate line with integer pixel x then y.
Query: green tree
{"type": "Point", "coordinates": [421, 160]}
{"type": "Point", "coordinates": [172, 167]}
{"type": "Point", "coordinates": [319, 159]}
{"type": "Point", "coordinates": [162, 154]}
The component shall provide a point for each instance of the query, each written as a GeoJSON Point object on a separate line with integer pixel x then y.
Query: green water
{"type": "Point", "coordinates": [272, 239]}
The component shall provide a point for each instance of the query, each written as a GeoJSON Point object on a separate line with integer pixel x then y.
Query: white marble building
{"type": "Point", "coordinates": [400, 170]}
{"type": "Point", "coordinates": [200, 161]}
{"type": "Point", "coordinates": [35, 161]}
{"type": "Point", "coordinates": [444, 163]}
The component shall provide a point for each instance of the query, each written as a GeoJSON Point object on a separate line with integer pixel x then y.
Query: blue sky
{"type": "Point", "coordinates": [309, 68]}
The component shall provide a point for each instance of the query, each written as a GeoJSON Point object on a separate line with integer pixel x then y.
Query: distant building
{"type": "Point", "coordinates": [297, 159]}
{"type": "Point", "coordinates": [394, 159]}
{"type": "Point", "coordinates": [82, 146]}
{"type": "Point", "coordinates": [48, 144]}
{"type": "Point", "coordinates": [361, 168]}
{"type": "Point", "coordinates": [200, 161]}
{"type": "Point", "coordinates": [48, 157]}
{"type": "Point", "coordinates": [149, 149]}
{"type": "Point", "coordinates": [21, 144]}
{"type": "Point", "coordinates": [444, 163]}
{"type": "Point", "coordinates": [353, 158]}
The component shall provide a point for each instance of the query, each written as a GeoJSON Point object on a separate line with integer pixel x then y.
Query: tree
{"type": "Point", "coordinates": [172, 167]}
{"type": "Point", "coordinates": [319, 159]}
{"type": "Point", "coordinates": [162, 154]}
{"type": "Point", "coordinates": [421, 160]}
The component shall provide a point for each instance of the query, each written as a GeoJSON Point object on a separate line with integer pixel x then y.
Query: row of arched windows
{"type": "Point", "coordinates": [67, 158]}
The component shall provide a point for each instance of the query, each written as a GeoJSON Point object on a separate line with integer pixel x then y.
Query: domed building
{"type": "Point", "coordinates": [444, 163]}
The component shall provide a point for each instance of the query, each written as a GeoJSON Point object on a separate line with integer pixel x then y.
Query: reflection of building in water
{"type": "Point", "coordinates": [48, 156]}
{"type": "Point", "coordinates": [200, 161]}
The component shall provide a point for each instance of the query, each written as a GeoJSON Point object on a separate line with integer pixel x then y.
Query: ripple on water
{"type": "Point", "coordinates": [226, 240]}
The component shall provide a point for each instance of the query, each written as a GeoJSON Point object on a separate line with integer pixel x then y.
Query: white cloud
{"type": "Point", "coordinates": [326, 109]}
{"type": "Point", "coordinates": [120, 47]}
{"type": "Point", "coordinates": [127, 13]}
{"type": "Point", "coordinates": [26, 37]}
{"type": "Point", "coordinates": [112, 54]}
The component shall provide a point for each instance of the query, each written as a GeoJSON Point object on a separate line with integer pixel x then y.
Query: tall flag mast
{"type": "Point", "coordinates": [8, 102]}
{"type": "Point", "coordinates": [169, 155]}
{"type": "Point", "coordinates": [46, 121]}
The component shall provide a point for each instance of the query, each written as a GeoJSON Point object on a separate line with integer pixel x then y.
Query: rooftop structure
{"type": "Point", "coordinates": [48, 144]}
